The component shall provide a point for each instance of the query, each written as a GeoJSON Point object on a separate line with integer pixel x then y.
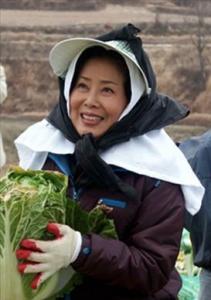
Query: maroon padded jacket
{"type": "Point", "coordinates": [140, 264]}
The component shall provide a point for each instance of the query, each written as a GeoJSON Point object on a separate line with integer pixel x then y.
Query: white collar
{"type": "Point", "coordinates": [153, 154]}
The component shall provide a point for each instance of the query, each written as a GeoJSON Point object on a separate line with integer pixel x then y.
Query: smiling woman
{"type": "Point", "coordinates": [106, 134]}
{"type": "Point", "coordinates": [99, 91]}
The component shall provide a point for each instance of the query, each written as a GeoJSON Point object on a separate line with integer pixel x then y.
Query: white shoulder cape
{"type": "Point", "coordinates": [153, 154]}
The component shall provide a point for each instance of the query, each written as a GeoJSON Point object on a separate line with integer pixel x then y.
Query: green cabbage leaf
{"type": "Point", "coordinates": [29, 200]}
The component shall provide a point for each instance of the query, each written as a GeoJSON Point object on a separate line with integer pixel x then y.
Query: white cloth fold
{"type": "Point", "coordinates": [153, 154]}
{"type": "Point", "coordinates": [3, 96]}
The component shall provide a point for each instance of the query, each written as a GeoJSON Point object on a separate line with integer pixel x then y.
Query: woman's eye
{"type": "Point", "coordinates": [108, 90]}
{"type": "Point", "coordinates": [82, 86]}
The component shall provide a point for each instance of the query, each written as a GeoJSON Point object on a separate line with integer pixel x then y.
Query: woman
{"type": "Point", "coordinates": [106, 135]}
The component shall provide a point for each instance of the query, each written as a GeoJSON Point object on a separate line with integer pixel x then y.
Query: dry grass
{"type": "Point", "coordinates": [182, 132]}
{"type": "Point", "coordinates": [202, 103]}
{"type": "Point", "coordinates": [11, 128]}
{"type": "Point", "coordinates": [197, 120]}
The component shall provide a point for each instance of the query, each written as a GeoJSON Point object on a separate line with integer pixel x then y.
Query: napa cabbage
{"type": "Point", "coordinates": [29, 200]}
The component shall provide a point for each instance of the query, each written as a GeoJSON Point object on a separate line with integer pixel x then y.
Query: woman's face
{"type": "Point", "coordinates": [98, 98]}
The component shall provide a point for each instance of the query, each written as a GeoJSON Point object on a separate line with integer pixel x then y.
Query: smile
{"type": "Point", "coordinates": [91, 118]}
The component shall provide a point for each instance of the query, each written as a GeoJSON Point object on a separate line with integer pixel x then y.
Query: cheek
{"type": "Point", "coordinates": [113, 114]}
{"type": "Point", "coordinates": [117, 109]}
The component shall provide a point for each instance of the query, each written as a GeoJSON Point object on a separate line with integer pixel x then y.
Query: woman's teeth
{"type": "Point", "coordinates": [91, 117]}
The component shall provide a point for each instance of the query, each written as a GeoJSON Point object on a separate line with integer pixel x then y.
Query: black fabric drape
{"type": "Point", "coordinates": [129, 34]}
{"type": "Point", "coordinates": [153, 111]}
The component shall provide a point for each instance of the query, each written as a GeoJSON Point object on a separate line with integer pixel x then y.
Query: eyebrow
{"type": "Point", "coordinates": [102, 81]}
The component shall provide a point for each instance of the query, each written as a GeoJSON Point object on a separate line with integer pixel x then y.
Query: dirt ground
{"type": "Point", "coordinates": [111, 14]}
{"type": "Point", "coordinates": [61, 18]}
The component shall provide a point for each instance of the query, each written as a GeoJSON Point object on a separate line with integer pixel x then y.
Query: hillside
{"type": "Point", "coordinates": [28, 35]}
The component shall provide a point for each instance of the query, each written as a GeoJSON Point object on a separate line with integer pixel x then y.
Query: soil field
{"type": "Point", "coordinates": [27, 37]}
{"type": "Point", "coordinates": [111, 14]}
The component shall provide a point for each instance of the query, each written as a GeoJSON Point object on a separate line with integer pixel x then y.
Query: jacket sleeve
{"type": "Point", "coordinates": [144, 260]}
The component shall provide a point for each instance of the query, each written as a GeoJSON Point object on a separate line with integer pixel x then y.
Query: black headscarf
{"type": "Point", "coordinates": [154, 111]}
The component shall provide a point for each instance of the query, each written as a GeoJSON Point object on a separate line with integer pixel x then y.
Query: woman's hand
{"type": "Point", "coordinates": [47, 257]}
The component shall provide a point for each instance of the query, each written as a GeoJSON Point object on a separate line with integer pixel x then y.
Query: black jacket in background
{"type": "Point", "coordinates": [198, 152]}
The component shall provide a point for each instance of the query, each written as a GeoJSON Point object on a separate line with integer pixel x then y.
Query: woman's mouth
{"type": "Point", "coordinates": [91, 119]}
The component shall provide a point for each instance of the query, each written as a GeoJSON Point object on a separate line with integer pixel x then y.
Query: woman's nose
{"type": "Point", "coordinates": [91, 99]}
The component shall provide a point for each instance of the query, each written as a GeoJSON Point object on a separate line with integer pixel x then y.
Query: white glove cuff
{"type": "Point", "coordinates": [78, 243]}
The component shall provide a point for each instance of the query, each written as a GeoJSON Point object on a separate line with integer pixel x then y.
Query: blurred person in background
{"type": "Point", "coordinates": [107, 135]}
{"type": "Point", "coordinates": [3, 95]}
{"type": "Point", "coordinates": [198, 152]}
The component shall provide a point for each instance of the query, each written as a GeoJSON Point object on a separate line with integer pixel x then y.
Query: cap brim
{"type": "Point", "coordinates": [64, 52]}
